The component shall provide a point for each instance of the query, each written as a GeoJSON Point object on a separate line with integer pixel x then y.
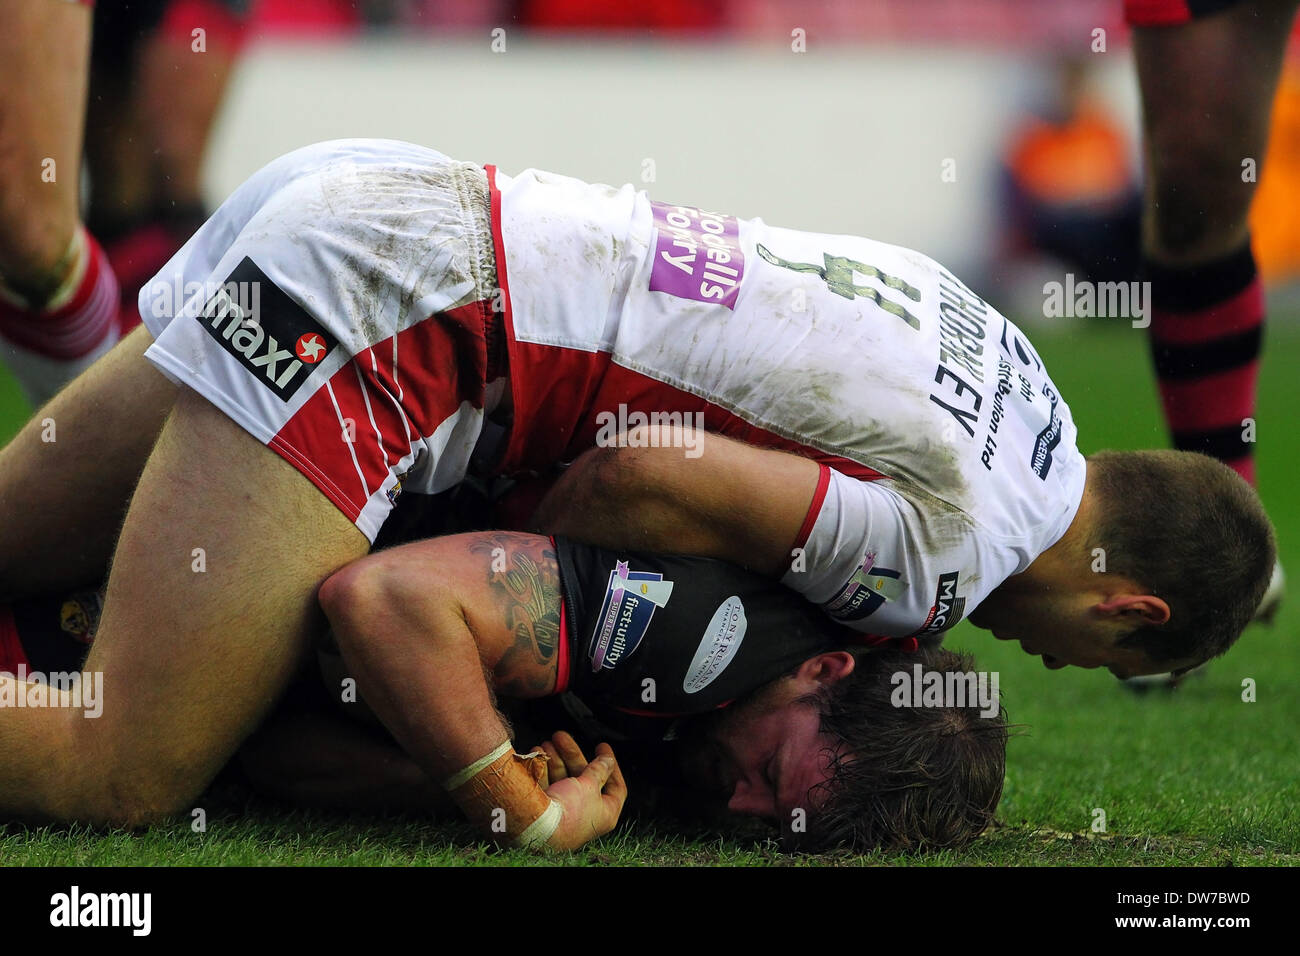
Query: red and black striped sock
{"type": "Point", "coordinates": [1207, 327]}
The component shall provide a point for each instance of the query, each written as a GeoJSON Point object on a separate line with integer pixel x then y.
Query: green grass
{"type": "Point", "coordinates": [1193, 777]}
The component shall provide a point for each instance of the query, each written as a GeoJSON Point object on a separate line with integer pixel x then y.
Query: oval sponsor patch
{"type": "Point", "coordinates": [718, 646]}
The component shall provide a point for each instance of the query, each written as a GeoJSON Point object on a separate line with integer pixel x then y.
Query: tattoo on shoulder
{"type": "Point", "coordinates": [525, 576]}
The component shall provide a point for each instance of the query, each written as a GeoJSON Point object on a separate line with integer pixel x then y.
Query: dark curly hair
{"type": "Point", "coordinates": [905, 777]}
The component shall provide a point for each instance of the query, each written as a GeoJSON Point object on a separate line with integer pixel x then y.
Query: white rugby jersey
{"type": "Point", "coordinates": [949, 458]}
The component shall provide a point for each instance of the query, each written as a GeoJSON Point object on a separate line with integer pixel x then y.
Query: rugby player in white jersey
{"type": "Point", "coordinates": [377, 315]}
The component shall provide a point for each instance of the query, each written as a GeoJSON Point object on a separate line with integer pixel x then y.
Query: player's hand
{"type": "Point", "coordinates": [564, 757]}
{"type": "Point", "coordinates": [591, 795]}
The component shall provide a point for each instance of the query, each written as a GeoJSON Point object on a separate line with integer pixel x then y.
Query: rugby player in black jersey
{"type": "Point", "coordinates": [778, 710]}
{"type": "Point", "coordinates": [729, 689]}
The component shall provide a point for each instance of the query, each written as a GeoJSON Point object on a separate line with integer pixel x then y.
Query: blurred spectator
{"type": "Point", "coordinates": [1071, 189]}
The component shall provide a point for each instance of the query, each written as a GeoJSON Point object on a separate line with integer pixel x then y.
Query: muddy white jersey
{"type": "Point", "coordinates": [951, 458]}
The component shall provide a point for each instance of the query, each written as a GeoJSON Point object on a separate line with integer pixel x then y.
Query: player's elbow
{"type": "Point", "coordinates": [609, 472]}
{"type": "Point", "coordinates": [360, 593]}
{"type": "Point", "coordinates": [370, 602]}
{"type": "Point", "coordinates": [341, 591]}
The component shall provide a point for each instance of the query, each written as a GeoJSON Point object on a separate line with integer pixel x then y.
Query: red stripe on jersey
{"type": "Point", "coordinates": [440, 363]}
{"type": "Point", "coordinates": [550, 386]}
{"type": "Point", "coordinates": [558, 391]}
{"type": "Point", "coordinates": [641, 393]}
{"type": "Point", "coordinates": [814, 509]}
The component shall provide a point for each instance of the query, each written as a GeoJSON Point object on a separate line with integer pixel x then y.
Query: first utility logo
{"type": "Point", "coordinates": [75, 908]}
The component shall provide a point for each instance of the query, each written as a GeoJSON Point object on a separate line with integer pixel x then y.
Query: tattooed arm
{"type": "Point", "coordinates": [431, 630]}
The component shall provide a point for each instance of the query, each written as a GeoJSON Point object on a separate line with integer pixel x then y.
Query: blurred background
{"type": "Point", "coordinates": [998, 136]}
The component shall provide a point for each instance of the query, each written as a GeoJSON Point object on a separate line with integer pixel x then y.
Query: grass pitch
{"type": "Point", "coordinates": [1192, 777]}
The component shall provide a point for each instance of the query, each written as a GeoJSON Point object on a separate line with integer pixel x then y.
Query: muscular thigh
{"type": "Point", "coordinates": [210, 602]}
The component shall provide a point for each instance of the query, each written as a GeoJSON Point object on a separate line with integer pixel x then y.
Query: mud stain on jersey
{"type": "Point", "coordinates": [819, 405]}
{"type": "Point", "coordinates": [406, 235]}
{"type": "Point", "coordinates": [945, 526]}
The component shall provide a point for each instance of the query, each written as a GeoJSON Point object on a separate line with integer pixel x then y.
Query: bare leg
{"type": "Point", "coordinates": [191, 659]}
{"type": "Point", "coordinates": [1207, 95]}
{"type": "Point", "coordinates": [118, 155]}
{"type": "Point", "coordinates": [180, 93]}
{"type": "Point", "coordinates": [66, 478]}
{"type": "Point", "coordinates": [44, 53]}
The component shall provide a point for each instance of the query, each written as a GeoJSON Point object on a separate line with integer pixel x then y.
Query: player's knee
{"type": "Point", "coordinates": [132, 804]}
{"type": "Point", "coordinates": [33, 253]}
{"type": "Point", "coordinates": [128, 793]}
{"type": "Point", "coordinates": [1200, 193]}
{"type": "Point", "coordinates": [1185, 227]}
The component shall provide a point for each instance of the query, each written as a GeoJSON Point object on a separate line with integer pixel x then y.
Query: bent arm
{"type": "Point", "coordinates": [429, 630]}
{"type": "Point", "coordinates": [861, 551]}
{"type": "Point", "coordinates": [732, 501]}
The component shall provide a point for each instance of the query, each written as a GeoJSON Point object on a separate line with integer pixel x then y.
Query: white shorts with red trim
{"type": "Point", "coordinates": [336, 308]}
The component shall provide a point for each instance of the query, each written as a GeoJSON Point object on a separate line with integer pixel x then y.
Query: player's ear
{"type": "Point", "coordinates": [1142, 608]}
{"type": "Point", "coordinates": [827, 668]}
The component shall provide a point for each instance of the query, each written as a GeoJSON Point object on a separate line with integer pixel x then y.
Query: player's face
{"type": "Point", "coordinates": [1073, 642]}
{"type": "Point", "coordinates": [764, 755]}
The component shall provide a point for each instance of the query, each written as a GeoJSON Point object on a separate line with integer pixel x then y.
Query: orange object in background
{"type": "Point", "coordinates": [1082, 160]}
{"type": "Point", "coordinates": [1275, 212]}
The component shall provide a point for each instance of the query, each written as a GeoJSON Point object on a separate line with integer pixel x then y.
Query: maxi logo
{"type": "Point", "coordinates": [865, 591]}
{"type": "Point", "coordinates": [278, 343]}
{"type": "Point", "coordinates": [631, 598]}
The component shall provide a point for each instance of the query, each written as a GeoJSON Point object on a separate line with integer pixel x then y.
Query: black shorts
{"type": "Point", "coordinates": [657, 637]}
